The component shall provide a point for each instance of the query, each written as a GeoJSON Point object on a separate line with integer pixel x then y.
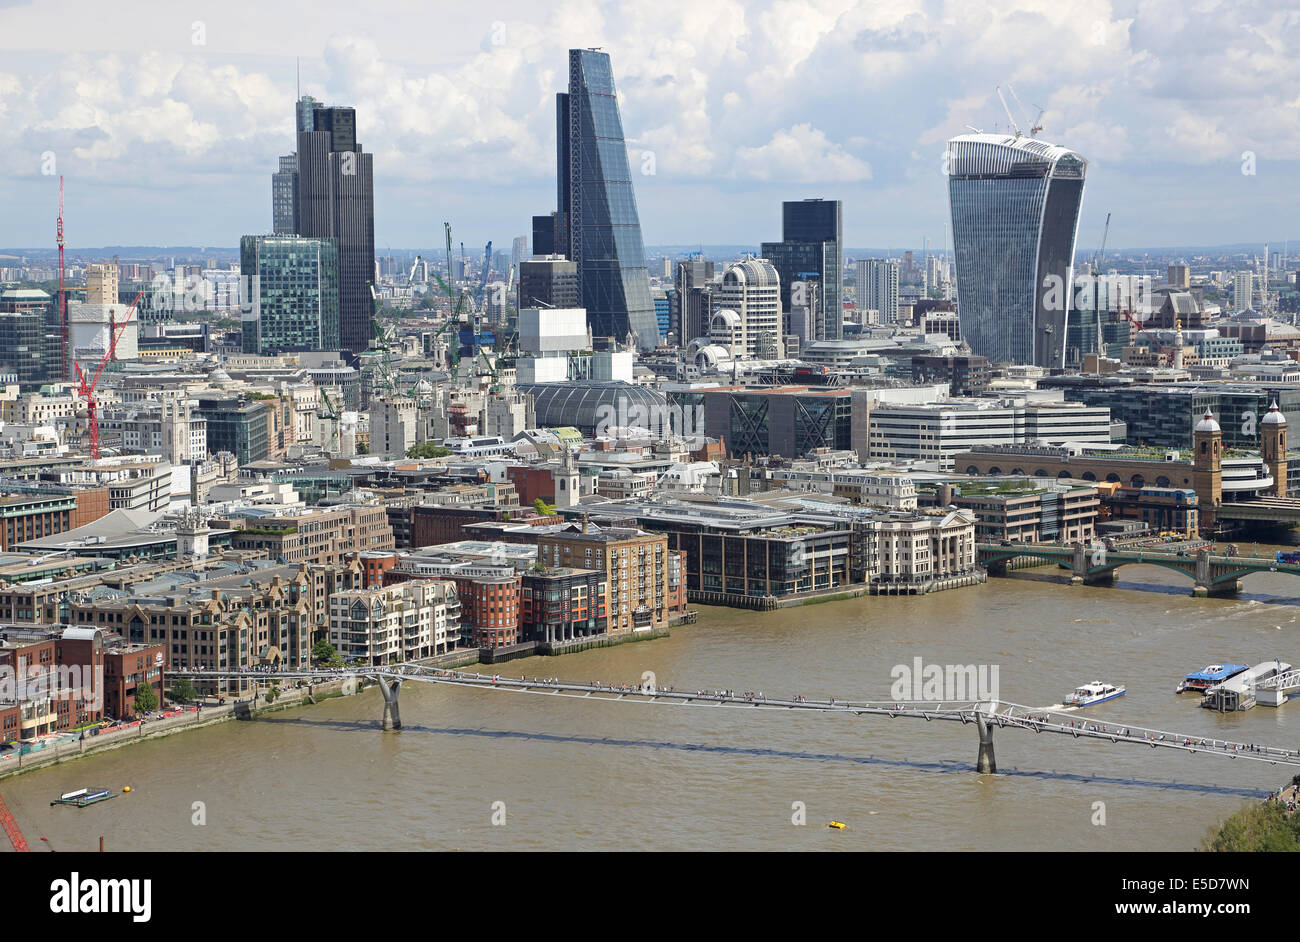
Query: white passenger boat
{"type": "Point", "coordinates": [1095, 692]}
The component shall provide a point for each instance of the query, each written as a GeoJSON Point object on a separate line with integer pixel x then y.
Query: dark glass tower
{"type": "Point", "coordinates": [812, 242]}
{"type": "Point", "coordinates": [1015, 210]}
{"type": "Point", "coordinates": [336, 199]}
{"type": "Point", "coordinates": [597, 226]}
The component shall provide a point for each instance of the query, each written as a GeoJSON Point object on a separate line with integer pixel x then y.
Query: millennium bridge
{"type": "Point", "coordinates": [984, 716]}
{"type": "Point", "coordinates": [1212, 575]}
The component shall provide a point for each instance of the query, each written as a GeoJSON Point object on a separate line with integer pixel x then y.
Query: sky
{"type": "Point", "coordinates": [167, 119]}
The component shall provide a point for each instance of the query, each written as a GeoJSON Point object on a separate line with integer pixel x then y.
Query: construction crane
{"type": "Point", "coordinates": [87, 390]}
{"type": "Point", "coordinates": [11, 828]}
{"type": "Point", "coordinates": [1096, 271]}
{"type": "Point", "coordinates": [483, 275]}
{"type": "Point", "coordinates": [63, 297]}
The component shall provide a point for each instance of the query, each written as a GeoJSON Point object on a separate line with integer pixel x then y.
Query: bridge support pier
{"type": "Point", "coordinates": [985, 764]}
{"type": "Point", "coordinates": [392, 718]}
{"type": "Point", "coordinates": [1229, 588]}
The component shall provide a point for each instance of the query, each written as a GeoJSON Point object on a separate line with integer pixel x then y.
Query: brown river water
{"type": "Point", "coordinates": [569, 774]}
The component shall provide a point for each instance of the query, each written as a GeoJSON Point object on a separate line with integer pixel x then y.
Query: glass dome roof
{"type": "Point", "coordinates": [592, 406]}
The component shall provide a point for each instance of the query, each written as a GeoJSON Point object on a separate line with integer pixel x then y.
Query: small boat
{"type": "Point", "coordinates": [1205, 678]}
{"type": "Point", "coordinates": [838, 825]}
{"type": "Point", "coordinates": [83, 797]}
{"type": "Point", "coordinates": [1095, 692]}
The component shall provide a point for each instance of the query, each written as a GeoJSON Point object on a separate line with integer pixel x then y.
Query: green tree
{"type": "Point", "coordinates": [183, 691]}
{"type": "Point", "coordinates": [145, 698]}
{"type": "Point", "coordinates": [427, 450]}
{"type": "Point", "coordinates": [363, 449]}
{"type": "Point", "coordinates": [324, 652]}
{"type": "Point", "coordinates": [543, 508]}
{"type": "Point", "coordinates": [272, 694]}
{"type": "Point", "coordinates": [1267, 826]}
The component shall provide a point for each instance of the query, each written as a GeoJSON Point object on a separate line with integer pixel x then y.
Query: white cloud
{"type": "Point", "coordinates": [801, 154]}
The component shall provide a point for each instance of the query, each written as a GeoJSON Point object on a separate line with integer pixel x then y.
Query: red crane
{"type": "Point", "coordinates": [11, 828]}
{"type": "Point", "coordinates": [63, 299]}
{"type": "Point", "coordinates": [87, 390]}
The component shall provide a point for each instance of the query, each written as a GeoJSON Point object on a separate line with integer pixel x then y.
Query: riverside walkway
{"type": "Point", "coordinates": [985, 716]}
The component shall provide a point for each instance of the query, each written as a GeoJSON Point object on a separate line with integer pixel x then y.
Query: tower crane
{"type": "Point", "coordinates": [87, 390]}
{"type": "Point", "coordinates": [63, 296]}
{"type": "Point", "coordinates": [1096, 269]}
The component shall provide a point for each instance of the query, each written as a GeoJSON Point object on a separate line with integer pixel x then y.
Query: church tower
{"type": "Point", "coordinates": [1273, 447]}
{"type": "Point", "coordinates": [1207, 474]}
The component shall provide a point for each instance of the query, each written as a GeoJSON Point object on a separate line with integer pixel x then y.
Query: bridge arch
{"type": "Point", "coordinates": [1065, 473]}
{"type": "Point", "coordinates": [1089, 476]}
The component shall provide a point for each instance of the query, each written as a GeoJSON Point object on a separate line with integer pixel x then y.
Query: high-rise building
{"type": "Point", "coordinates": [336, 199]}
{"type": "Point", "coordinates": [1243, 291]}
{"type": "Point", "coordinates": [101, 283]}
{"type": "Point", "coordinates": [284, 197]}
{"type": "Point", "coordinates": [1179, 276]}
{"type": "Point", "coordinates": [548, 282]}
{"type": "Point", "coordinates": [1015, 213]}
{"type": "Point", "coordinates": [544, 234]}
{"type": "Point", "coordinates": [294, 294]}
{"type": "Point", "coordinates": [748, 318]}
{"type": "Point", "coordinates": [518, 251]}
{"type": "Point", "coordinates": [878, 289]}
{"type": "Point", "coordinates": [598, 226]}
{"type": "Point", "coordinates": [812, 243]}
{"type": "Point", "coordinates": [692, 300]}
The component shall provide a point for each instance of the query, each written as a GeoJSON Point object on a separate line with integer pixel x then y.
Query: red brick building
{"type": "Point", "coordinates": [126, 668]}
{"type": "Point", "coordinates": [490, 609]}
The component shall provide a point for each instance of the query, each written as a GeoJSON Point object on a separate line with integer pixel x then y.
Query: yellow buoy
{"type": "Point", "coordinates": [838, 825]}
{"type": "Point", "coordinates": [127, 789]}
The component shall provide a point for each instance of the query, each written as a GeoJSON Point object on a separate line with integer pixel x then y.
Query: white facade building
{"type": "Point", "coordinates": [748, 304]}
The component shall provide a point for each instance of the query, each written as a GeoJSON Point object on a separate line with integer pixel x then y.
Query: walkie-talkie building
{"type": "Point", "coordinates": [1015, 211]}
{"type": "Point", "coordinates": [598, 227]}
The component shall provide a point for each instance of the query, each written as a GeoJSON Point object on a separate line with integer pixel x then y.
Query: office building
{"type": "Point", "coordinates": [294, 286]}
{"type": "Point", "coordinates": [598, 226]}
{"type": "Point", "coordinates": [284, 197]}
{"type": "Point", "coordinates": [811, 246]}
{"type": "Point", "coordinates": [1015, 212]}
{"type": "Point", "coordinates": [693, 299]}
{"type": "Point", "coordinates": [336, 200]}
{"type": "Point", "coordinates": [548, 282]}
{"type": "Point", "coordinates": [747, 320]}
{"type": "Point", "coordinates": [544, 234]}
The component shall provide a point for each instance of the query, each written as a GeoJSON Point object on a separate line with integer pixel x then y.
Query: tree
{"type": "Point", "coordinates": [324, 652]}
{"type": "Point", "coordinates": [272, 694]}
{"type": "Point", "coordinates": [145, 698]}
{"type": "Point", "coordinates": [363, 448]}
{"type": "Point", "coordinates": [1261, 827]}
{"type": "Point", "coordinates": [427, 450]}
{"type": "Point", "coordinates": [543, 508]}
{"type": "Point", "coordinates": [183, 691]}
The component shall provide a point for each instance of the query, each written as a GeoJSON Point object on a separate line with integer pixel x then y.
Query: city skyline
{"type": "Point", "coordinates": [170, 139]}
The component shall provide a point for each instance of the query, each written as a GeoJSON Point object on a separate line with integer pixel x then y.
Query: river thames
{"type": "Point", "coordinates": [566, 774]}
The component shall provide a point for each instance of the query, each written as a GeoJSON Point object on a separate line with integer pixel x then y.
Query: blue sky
{"type": "Point", "coordinates": [167, 120]}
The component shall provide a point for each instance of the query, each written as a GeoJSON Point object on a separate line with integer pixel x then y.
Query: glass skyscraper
{"type": "Point", "coordinates": [294, 294]}
{"type": "Point", "coordinates": [1015, 212]}
{"type": "Point", "coordinates": [336, 199]}
{"type": "Point", "coordinates": [597, 226]}
{"type": "Point", "coordinates": [812, 244]}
